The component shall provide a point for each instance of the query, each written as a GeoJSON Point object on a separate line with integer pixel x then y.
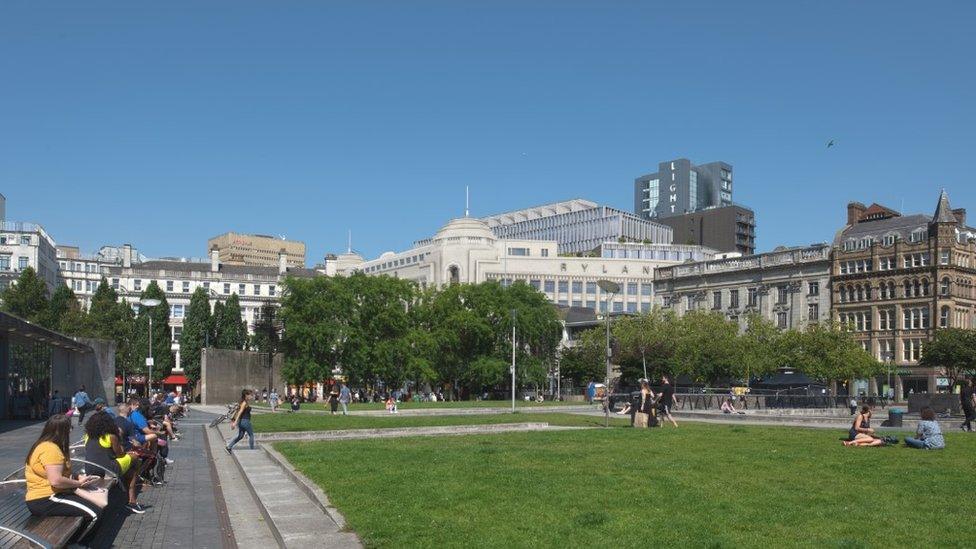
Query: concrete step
{"type": "Point", "coordinates": [296, 519]}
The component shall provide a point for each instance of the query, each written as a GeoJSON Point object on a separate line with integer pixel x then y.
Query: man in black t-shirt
{"type": "Point", "coordinates": [967, 398]}
{"type": "Point", "coordinates": [667, 400]}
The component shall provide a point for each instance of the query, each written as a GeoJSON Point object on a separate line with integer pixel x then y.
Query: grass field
{"type": "Point", "coordinates": [426, 405]}
{"type": "Point", "coordinates": [698, 486]}
{"type": "Point", "coordinates": [276, 423]}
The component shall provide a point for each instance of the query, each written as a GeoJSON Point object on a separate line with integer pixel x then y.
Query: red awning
{"type": "Point", "coordinates": [175, 379]}
{"type": "Point", "coordinates": [118, 380]}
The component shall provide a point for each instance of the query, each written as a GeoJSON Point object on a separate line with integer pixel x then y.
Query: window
{"type": "Point", "coordinates": [753, 297]}
{"type": "Point", "coordinates": [913, 349]}
{"type": "Point", "coordinates": [886, 263]}
{"type": "Point", "coordinates": [176, 311]}
{"type": "Point", "coordinates": [781, 320]}
{"type": "Point", "coordinates": [4, 262]}
{"type": "Point", "coordinates": [813, 288]}
{"type": "Point", "coordinates": [691, 302]}
{"type": "Point", "coordinates": [916, 318]}
{"type": "Point", "coordinates": [545, 252]}
{"type": "Point", "coordinates": [886, 350]}
{"type": "Point", "coordinates": [577, 303]}
{"type": "Point", "coordinates": [206, 287]}
{"type": "Point", "coordinates": [645, 307]}
{"type": "Point", "coordinates": [590, 304]}
{"type": "Point", "coordinates": [885, 318]}
{"type": "Point", "coordinates": [177, 333]}
{"type": "Point", "coordinates": [563, 286]}
{"type": "Point", "coordinates": [618, 306]}
{"type": "Point", "coordinates": [888, 240]}
{"type": "Point", "coordinates": [25, 239]}
{"type": "Point", "coordinates": [917, 235]}
{"type": "Point", "coordinates": [944, 257]}
{"type": "Point", "coordinates": [734, 299]}
{"type": "Point", "coordinates": [241, 289]}
{"type": "Point", "coordinates": [257, 289]}
{"type": "Point", "coordinates": [137, 285]}
{"type": "Point", "coordinates": [518, 251]}
{"type": "Point", "coordinates": [813, 312]}
{"type": "Point", "coordinates": [591, 287]}
{"type": "Point", "coordinates": [646, 289]}
{"type": "Point", "coordinates": [226, 287]}
{"type": "Point", "coordinates": [944, 317]}
{"type": "Point", "coordinates": [536, 283]}
{"type": "Point", "coordinates": [781, 292]}
{"type": "Point", "coordinates": [550, 286]}
{"type": "Point", "coordinates": [115, 284]}
{"type": "Point", "coordinates": [577, 287]}
{"type": "Point", "coordinates": [271, 290]}
{"type": "Point", "coordinates": [22, 263]}
{"type": "Point", "coordinates": [945, 287]}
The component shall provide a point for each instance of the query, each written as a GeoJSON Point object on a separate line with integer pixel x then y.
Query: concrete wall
{"type": "Point", "coordinates": [225, 373]}
{"type": "Point", "coordinates": [95, 370]}
{"type": "Point", "coordinates": [939, 402]}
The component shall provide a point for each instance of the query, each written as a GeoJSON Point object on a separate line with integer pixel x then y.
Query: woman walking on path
{"type": "Point", "coordinates": [645, 406]}
{"type": "Point", "coordinates": [242, 421]}
{"type": "Point", "coordinates": [967, 396]}
{"type": "Point", "coordinates": [334, 399]}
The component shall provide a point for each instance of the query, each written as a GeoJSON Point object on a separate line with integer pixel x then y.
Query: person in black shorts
{"type": "Point", "coordinates": [666, 400]}
{"type": "Point", "coordinates": [967, 398]}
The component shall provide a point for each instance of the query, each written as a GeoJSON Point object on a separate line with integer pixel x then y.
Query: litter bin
{"type": "Point", "coordinates": [895, 416]}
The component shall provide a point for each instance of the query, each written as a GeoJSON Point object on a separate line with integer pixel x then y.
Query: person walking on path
{"type": "Point", "coordinates": [242, 421]}
{"type": "Point", "coordinates": [83, 403]}
{"type": "Point", "coordinates": [273, 400]}
{"type": "Point", "coordinates": [645, 406]}
{"type": "Point", "coordinates": [928, 432]}
{"type": "Point", "coordinates": [345, 396]}
{"type": "Point", "coordinates": [967, 396]}
{"type": "Point", "coordinates": [334, 399]}
{"type": "Point", "coordinates": [853, 405]}
{"type": "Point", "coordinates": [667, 400]}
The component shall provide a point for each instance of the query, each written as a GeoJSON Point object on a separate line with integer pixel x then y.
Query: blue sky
{"type": "Point", "coordinates": [164, 123]}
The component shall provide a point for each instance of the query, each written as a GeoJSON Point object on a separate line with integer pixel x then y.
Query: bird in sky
{"type": "Point", "coordinates": [830, 143]}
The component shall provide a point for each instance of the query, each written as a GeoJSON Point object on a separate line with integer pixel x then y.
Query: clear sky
{"type": "Point", "coordinates": [164, 123]}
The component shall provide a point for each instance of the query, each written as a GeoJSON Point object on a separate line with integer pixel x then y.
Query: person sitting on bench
{"type": "Point", "coordinates": [103, 447]}
{"type": "Point", "coordinates": [51, 491]}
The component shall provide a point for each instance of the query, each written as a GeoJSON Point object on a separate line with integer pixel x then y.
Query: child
{"type": "Point", "coordinates": [391, 404]}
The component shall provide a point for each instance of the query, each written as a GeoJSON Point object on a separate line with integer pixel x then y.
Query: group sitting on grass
{"type": "Point", "coordinates": [928, 434]}
{"type": "Point", "coordinates": [130, 444]}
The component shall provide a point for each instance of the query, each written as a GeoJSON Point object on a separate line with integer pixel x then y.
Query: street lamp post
{"type": "Point", "coordinates": [513, 360]}
{"type": "Point", "coordinates": [609, 288]}
{"type": "Point", "coordinates": [149, 303]}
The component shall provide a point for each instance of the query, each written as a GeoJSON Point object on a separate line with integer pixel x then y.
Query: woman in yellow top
{"type": "Point", "coordinates": [51, 491]}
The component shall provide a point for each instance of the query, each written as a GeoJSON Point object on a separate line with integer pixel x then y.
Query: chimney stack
{"type": "Point", "coordinates": [854, 212]}
{"type": "Point", "coordinates": [127, 256]}
{"type": "Point", "coordinates": [282, 261]}
{"type": "Point", "coordinates": [214, 260]}
{"type": "Point", "coordinates": [960, 214]}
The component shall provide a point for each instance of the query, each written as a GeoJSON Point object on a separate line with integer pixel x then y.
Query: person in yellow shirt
{"type": "Point", "coordinates": [51, 490]}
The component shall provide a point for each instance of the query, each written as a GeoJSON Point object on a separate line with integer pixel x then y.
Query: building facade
{"type": "Point", "coordinates": [466, 250]}
{"type": "Point", "coordinates": [25, 245]}
{"type": "Point", "coordinates": [789, 286]}
{"type": "Point", "coordinates": [256, 250]}
{"type": "Point", "coordinates": [578, 226]}
{"type": "Point", "coordinates": [898, 278]}
{"type": "Point", "coordinates": [254, 286]}
{"type": "Point", "coordinates": [726, 228]}
{"type": "Point", "coordinates": [680, 187]}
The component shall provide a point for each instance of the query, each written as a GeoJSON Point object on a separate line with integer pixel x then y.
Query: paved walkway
{"type": "Point", "coordinates": [297, 512]}
{"type": "Point", "coordinates": [182, 513]}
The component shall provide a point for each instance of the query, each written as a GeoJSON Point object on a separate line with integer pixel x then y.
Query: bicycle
{"type": "Point", "coordinates": [231, 411]}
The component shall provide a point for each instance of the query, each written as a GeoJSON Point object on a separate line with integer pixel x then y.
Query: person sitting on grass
{"type": "Point", "coordinates": [728, 408]}
{"type": "Point", "coordinates": [391, 404]}
{"type": "Point", "coordinates": [861, 433]}
{"type": "Point", "coordinates": [928, 432]}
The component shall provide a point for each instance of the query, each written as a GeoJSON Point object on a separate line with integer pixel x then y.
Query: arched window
{"type": "Point", "coordinates": [454, 274]}
{"type": "Point", "coordinates": [944, 317]}
{"type": "Point", "coordinates": [945, 287]}
{"type": "Point", "coordinates": [883, 291]}
{"type": "Point", "coordinates": [867, 292]}
{"type": "Point", "coordinates": [925, 286]}
{"type": "Point", "coordinates": [860, 293]}
{"type": "Point", "coordinates": [908, 288]}
{"type": "Point", "coordinates": [891, 290]}
{"type": "Point", "coordinates": [842, 291]}
{"type": "Point", "coordinates": [916, 288]}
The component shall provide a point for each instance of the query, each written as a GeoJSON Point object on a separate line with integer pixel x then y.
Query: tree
{"type": "Point", "coordinates": [828, 352]}
{"type": "Point", "coordinates": [28, 298]}
{"type": "Point", "coordinates": [64, 314]}
{"type": "Point", "coordinates": [108, 318]}
{"type": "Point", "coordinates": [953, 352]}
{"type": "Point", "coordinates": [316, 313]}
{"type": "Point", "coordinates": [645, 344]}
{"type": "Point", "coordinates": [707, 348]}
{"type": "Point", "coordinates": [161, 339]}
{"type": "Point", "coordinates": [762, 347]}
{"type": "Point", "coordinates": [229, 327]}
{"type": "Point", "coordinates": [197, 326]}
{"type": "Point", "coordinates": [586, 360]}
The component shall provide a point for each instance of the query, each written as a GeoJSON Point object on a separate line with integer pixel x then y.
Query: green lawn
{"type": "Point", "coordinates": [276, 423]}
{"type": "Point", "coordinates": [696, 486]}
{"type": "Point", "coordinates": [424, 405]}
